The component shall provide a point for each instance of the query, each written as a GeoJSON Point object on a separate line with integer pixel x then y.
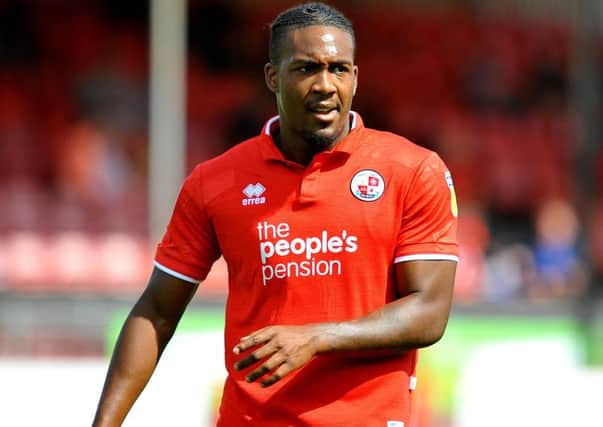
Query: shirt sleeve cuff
{"type": "Point", "coordinates": [426, 257]}
{"type": "Point", "coordinates": [176, 274]}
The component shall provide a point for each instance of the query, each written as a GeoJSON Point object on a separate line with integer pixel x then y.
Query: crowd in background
{"type": "Point", "coordinates": [490, 95]}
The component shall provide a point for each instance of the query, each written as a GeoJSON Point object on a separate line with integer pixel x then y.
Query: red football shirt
{"type": "Point", "coordinates": [314, 244]}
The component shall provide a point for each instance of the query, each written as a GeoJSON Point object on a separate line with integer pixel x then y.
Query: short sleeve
{"type": "Point", "coordinates": [429, 222]}
{"type": "Point", "coordinates": [189, 247]}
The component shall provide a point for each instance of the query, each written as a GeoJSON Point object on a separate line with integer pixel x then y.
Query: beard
{"type": "Point", "coordinates": [320, 141]}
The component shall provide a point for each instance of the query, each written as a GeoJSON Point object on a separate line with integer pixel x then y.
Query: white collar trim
{"type": "Point", "coordinates": [275, 119]}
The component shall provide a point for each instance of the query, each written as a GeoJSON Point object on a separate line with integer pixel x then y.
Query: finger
{"type": "Point", "coordinates": [254, 357]}
{"type": "Point", "coordinates": [283, 370]}
{"type": "Point", "coordinates": [271, 380]}
{"type": "Point", "coordinates": [247, 361]}
{"type": "Point", "coordinates": [274, 362]}
{"type": "Point", "coordinates": [252, 340]}
{"type": "Point", "coordinates": [260, 372]}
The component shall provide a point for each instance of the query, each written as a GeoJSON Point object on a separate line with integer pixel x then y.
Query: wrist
{"type": "Point", "coordinates": [325, 338]}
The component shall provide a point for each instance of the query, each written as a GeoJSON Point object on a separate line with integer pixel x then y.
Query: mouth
{"type": "Point", "coordinates": [324, 112]}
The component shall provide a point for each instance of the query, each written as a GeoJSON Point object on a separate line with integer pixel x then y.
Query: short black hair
{"type": "Point", "coordinates": [305, 15]}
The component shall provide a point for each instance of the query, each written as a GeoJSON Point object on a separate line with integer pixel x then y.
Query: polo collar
{"type": "Point", "coordinates": [270, 150]}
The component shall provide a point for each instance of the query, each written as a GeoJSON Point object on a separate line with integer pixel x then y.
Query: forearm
{"type": "Point", "coordinates": [409, 322]}
{"type": "Point", "coordinates": [136, 354]}
{"type": "Point", "coordinates": [417, 319]}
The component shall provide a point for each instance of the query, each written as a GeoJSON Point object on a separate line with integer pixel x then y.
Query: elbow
{"type": "Point", "coordinates": [432, 325]}
{"type": "Point", "coordinates": [433, 337]}
{"type": "Point", "coordinates": [163, 326]}
{"type": "Point", "coordinates": [430, 334]}
{"type": "Point", "coordinates": [434, 333]}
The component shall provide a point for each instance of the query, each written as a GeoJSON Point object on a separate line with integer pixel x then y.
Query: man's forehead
{"type": "Point", "coordinates": [320, 39]}
{"type": "Point", "coordinates": [324, 33]}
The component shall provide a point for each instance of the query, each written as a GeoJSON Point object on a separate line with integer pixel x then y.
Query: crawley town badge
{"type": "Point", "coordinates": [367, 185]}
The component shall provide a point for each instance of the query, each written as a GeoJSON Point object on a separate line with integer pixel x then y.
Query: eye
{"type": "Point", "coordinates": [339, 69]}
{"type": "Point", "coordinates": [306, 68]}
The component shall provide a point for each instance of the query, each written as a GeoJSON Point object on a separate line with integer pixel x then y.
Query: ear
{"type": "Point", "coordinates": [355, 79]}
{"type": "Point", "coordinates": [271, 76]}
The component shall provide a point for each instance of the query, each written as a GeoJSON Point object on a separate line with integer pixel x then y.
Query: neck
{"type": "Point", "coordinates": [296, 149]}
{"type": "Point", "coordinates": [302, 150]}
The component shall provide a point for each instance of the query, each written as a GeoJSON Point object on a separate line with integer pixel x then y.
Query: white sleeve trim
{"type": "Point", "coordinates": [426, 257]}
{"type": "Point", "coordinates": [175, 273]}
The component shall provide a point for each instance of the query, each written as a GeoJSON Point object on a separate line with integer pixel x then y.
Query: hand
{"type": "Point", "coordinates": [284, 349]}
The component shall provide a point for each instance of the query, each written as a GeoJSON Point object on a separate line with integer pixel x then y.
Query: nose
{"type": "Point", "coordinates": [323, 83]}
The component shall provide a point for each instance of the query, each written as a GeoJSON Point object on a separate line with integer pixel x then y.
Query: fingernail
{"type": "Point", "coordinates": [235, 350]}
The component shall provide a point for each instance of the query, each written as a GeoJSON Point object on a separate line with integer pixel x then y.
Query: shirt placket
{"type": "Point", "coordinates": [310, 184]}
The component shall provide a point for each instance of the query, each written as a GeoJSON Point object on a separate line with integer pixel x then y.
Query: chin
{"type": "Point", "coordinates": [321, 140]}
{"type": "Point", "coordinates": [325, 137]}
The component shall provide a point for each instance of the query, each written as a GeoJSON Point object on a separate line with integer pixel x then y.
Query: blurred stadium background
{"type": "Point", "coordinates": [508, 92]}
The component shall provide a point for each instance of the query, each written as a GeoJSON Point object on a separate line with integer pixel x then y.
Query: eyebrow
{"type": "Point", "coordinates": [311, 61]}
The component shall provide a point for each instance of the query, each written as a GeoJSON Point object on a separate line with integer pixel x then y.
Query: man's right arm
{"type": "Point", "coordinates": [147, 330]}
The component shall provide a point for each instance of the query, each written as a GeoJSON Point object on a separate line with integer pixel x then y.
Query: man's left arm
{"type": "Point", "coordinates": [417, 319]}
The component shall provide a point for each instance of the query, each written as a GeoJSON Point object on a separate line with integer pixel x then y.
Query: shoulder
{"type": "Point", "coordinates": [213, 176]}
{"type": "Point", "coordinates": [396, 149]}
{"type": "Point", "coordinates": [240, 156]}
{"type": "Point", "coordinates": [244, 153]}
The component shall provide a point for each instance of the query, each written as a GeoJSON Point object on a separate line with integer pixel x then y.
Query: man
{"type": "Point", "coordinates": [341, 250]}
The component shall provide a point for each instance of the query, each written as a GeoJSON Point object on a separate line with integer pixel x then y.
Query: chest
{"type": "Point", "coordinates": [315, 212]}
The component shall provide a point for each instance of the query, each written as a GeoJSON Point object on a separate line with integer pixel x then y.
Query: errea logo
{"type": "Point", "coordinates": [254, 194]}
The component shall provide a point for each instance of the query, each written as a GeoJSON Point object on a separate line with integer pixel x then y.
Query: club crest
{"type": "Point", "coordinates": [367, 185]}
